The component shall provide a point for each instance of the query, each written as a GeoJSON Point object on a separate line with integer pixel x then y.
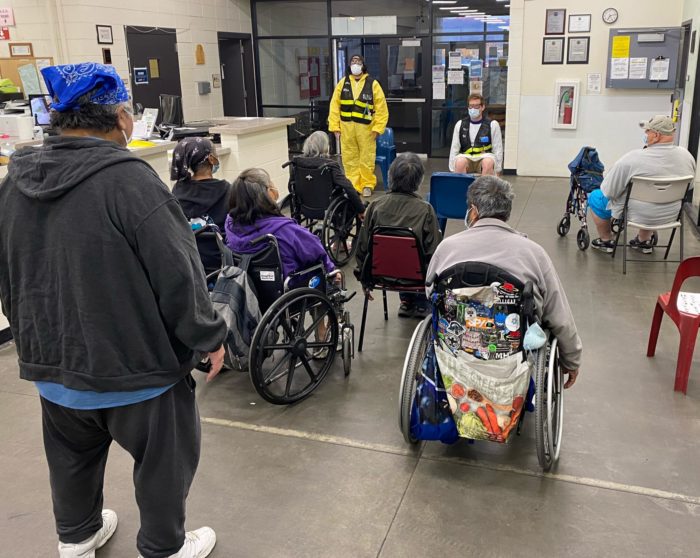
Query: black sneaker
{"type": "Point", "coordinates": [607, 246]}
{"type": "Point", "coordinates": [421, 312]}
{"type": "Point", "coordinates": [645, 246]}
{"type": "Point", "coordinates": [406, 310]}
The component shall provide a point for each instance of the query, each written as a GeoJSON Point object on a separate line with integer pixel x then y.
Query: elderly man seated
{"type": "Point", "coordinates": [659, 158]}
{"type": "Point", "coordinates": [403, 207]}
{"type": "Point", "coordinates": [489, 239]}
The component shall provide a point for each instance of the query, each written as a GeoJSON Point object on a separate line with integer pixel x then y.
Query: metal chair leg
{"type": "Point", "coordinates": [670, 242]}
{"type": "Point", "coordinates": [624, 251]}
{"type": "Point", "coordinates": [364, 319]}
{"type": "Point", "coordinates": [386, 312]}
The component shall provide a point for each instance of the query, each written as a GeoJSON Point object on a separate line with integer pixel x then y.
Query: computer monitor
{"type": "Point", "coordinates": [171, 110]}
{"type": "Point", "coordinates": [39, 105]}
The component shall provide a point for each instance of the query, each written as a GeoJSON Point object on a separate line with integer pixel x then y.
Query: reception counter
{"type": "Point", "coordinates": [254, 142]}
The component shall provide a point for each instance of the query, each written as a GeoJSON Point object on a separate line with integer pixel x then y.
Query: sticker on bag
{"type": "Point", "coordinates": [267, 275]}
{"type": "Point", "coordinates": [486, 397]}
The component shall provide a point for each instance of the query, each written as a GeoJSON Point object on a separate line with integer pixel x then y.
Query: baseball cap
{"type": "Point", "coordinates": [661, 124]}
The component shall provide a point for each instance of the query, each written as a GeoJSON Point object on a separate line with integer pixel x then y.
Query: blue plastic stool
{"type": "Point", "coordinates": [386, 153]}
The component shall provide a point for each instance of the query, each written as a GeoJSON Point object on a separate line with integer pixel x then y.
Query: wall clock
{"type": "Point", "coordinates": [610, 16]}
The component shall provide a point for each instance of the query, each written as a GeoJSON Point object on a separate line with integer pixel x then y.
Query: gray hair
{"type": "Point", "coordinates": [316, 145]}
{"type": "Point", "coordinates": [406, 173]}
{"type": "Point", "coordinates": [492, 197]}
{"type": "Point", "coordinates": [89, 116]}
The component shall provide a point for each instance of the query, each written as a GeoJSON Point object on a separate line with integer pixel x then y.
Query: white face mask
{"type": "Point", "coordinates": [356, 69]}
{"type": "Point", "coordinates": [467, 223]}
{"type": "Point", "coordinates": [127, 139]}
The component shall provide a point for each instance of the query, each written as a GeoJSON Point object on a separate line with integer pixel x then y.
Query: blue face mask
{"type": "Point", "coordinates": [474, 113]}
{"type": "Point", "coordinates": [215, 168]}
{"type": "Point", "coordinates": [645, 141]}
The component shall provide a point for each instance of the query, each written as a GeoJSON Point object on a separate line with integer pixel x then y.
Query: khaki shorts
{"type": "Point", "coordinates": [473, 167]}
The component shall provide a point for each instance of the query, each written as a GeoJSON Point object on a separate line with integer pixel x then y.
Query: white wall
{"type": "Point", "coordinates": [65, 30]}
{"type": "Point", "coordinates": [607, 121]}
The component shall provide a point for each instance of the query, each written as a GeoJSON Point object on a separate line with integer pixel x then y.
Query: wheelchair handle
{"type": "Point", "coordinates": [268, 237]}
{"type": "Point", "coordinates": [285, 165]}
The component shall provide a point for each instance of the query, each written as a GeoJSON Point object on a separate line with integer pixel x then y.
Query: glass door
{"type": "Point", "coordinates": [402, 68]}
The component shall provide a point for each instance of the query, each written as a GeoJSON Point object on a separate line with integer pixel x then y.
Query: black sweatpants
{"type": "Point", "coordinates": [161, 434]}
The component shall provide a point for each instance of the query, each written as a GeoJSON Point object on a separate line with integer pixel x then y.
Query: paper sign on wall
{"type": "Point", "coordinates": [7, 16]}
{"type": "Point", "coordinates": [140, 76]}
{"type": "Point", "coordinates": [439, 90]}
{"type": "Point", "coordinates": [620, 68]}
{"type": "Point", "coordinates": [455, 77]}
{"type": "Point", "coordinates": [455, 60]}
{"type": "Point", "coordinates": [594, 84]}
{"type": "Point", "coordinates": [476, 68]}
{"type": "Point", "coordinates": [638, 68]}
{"type": "Point", "coordinates": [439, 73]}
{"type": "Point", "coordinates": [659, 69]}
{"type": "Point", "coordinates": [621, 46]}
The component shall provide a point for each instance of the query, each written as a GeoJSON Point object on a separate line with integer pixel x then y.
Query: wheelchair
{"type": "Point", "coordinates": [289, 357]}
{"type": "Point", "coordinates": [436, 406]}
{"type": "Point", "coordinates": [323, 208]}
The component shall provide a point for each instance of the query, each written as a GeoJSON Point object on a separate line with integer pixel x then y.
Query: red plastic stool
{"type": "Point", "coordinates": [684, 309]}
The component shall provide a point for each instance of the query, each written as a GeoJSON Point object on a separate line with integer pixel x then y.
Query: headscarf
{"type": "Point", "coordinates": [67, 84]}
{"type": "Point", "coordinates": [188, 155]}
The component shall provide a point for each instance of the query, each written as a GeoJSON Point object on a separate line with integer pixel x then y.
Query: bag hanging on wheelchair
{"type": "Point", "coordinates": [235, 299]}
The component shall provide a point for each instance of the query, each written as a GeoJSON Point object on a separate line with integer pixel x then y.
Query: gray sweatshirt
{"type": "Point", "coordinates": [494, 242]}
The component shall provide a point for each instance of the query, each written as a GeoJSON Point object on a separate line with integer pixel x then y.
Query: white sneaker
{"type": "Point", "coordinates": [198, 544]}
{"type": "Point", "coordinates": [366, 192]}
{"type": "Point", "coordinates": [86, 549]}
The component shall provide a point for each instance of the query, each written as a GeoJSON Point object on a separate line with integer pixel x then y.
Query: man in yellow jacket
{"type": "Point", "coordinates": [358, 113]}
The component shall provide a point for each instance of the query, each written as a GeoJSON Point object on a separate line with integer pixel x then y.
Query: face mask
{"type": "Point", "coordinates": [467, 224]}
{"type": "Point", "coordinates": [126, 138]}
{"type": "Point", "coordinates": [215, 168]}
{"type": "Point", "coordinates": [645, 141]}
{"type": "Point", "coordinates": [534, 338]}
{"type": "Point", "coordinates": [356, 69]}
{"type": "Point", "coordinates": [474, 113]}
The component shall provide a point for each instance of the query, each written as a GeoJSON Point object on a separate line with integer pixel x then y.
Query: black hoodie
{"type": "Point", "coordinates": [100, 277]}
{"type": "Point", "coordinates": [205, 197]}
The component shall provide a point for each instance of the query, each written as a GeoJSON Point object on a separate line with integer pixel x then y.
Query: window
{"type": "Point", "coordinates": [292, 18]}
{"type": "Point", "coordinates": [388, 17]}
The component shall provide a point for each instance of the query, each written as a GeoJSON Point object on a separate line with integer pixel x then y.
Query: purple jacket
{"type": "Point", "coordinates": [299, 248]}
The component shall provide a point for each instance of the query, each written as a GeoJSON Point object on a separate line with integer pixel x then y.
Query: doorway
{"type": "Point", "coordinates": [237, 74]}
{"type": "Point", "coordinates": [401, 65]}
{"type": "Point", "coordinates": [154, 66]}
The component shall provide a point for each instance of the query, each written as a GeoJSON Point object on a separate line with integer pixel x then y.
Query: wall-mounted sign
{"type": "Point", "coordinates": [7, 16]}
{"type": "Point", "coordinates": [140, 76]}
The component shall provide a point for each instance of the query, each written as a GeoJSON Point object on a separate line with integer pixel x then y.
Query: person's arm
{"type": "Point", "coordinates": [309, 250]}
{"type": "Point", "coordinates": [165, 245]}
{"type": "Point", "coordinates": [363, 237]}
{"type": "Point", "coordinates": [339, 179]}
{"type": "Point", "coordinates": [557, 316]}
{"type": "Point", "coordinates": [454, 148]}
{"type": "Point", "coordinates": [334, 108]}
{"type": "Point", "coordinates": [616, 179]}
{"type": "Point", "coordinates": [381, 109]}
{"type": "Point", "coordinates": [497, 143]}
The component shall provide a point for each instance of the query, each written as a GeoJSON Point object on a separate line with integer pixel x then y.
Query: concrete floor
{"type": "Point", "coordinates": [332, 476]}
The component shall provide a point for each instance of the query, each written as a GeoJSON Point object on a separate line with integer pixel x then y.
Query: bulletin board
{"type": "Point", "coordinates": [9, 67]}
{"type": "Point", "coordinates": [644, 58]}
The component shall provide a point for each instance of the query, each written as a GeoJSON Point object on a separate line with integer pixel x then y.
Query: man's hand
{"type": "Point", "coordinates": [217, 361]}
{"type": "Point", "coordinates": [338, 278]}
{"type": "Point", "coordinates": [573, 374]}
{"type": "Point", "coordinates": [375, 135]}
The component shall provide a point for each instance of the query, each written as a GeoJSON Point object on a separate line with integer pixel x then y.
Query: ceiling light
{"type": "Point", "coordinates": [449, 1]}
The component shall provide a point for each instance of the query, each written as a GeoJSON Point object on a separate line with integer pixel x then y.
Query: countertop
{"type": "Point", "coordinates": [243, 125]}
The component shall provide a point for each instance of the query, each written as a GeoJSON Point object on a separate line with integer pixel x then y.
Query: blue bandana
{"type": "Point", "coordinates": [66, 84]}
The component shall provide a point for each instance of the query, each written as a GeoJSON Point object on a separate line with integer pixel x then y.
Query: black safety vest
{"type": "Point", "coordinates": [360, 110]}
{"type": "Point", "coordinates": [482, 144]}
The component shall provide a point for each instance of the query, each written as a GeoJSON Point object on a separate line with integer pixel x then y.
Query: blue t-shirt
{"type": "Point", "coordinates": [90, 400]}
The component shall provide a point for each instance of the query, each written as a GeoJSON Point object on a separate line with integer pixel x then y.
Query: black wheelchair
{"type": "Point", "coordinates": [323, 208]}
{"type": "Point", "coordinates": [436, 403]}
{"type": "Point", "coordinates": [304, 324]}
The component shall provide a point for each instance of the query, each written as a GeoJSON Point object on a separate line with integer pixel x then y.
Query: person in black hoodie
{"type": "Point", "coordinates": [102, 284]}
{"type": "Point", "coordinates": [200, 194]}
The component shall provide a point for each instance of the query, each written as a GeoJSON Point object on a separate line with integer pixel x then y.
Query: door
{"type": "Point", "coordinates": [401, 66]}
{"type": "Point", "coordinates": [153, 64]}
{"type": "Point", "coordinates": [237, 75]}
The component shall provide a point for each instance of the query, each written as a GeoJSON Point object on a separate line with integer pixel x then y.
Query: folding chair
{"type": "Point", "coordinates": [448, 196]}
{"type": "Point", "coordinates": [684, 309]}
{"type": "Point", "coordinates": [386, 153]}
{"type": "Point", "coordinates": [394, 262]}
{"type": "Point", "coordinates": [653, 190]}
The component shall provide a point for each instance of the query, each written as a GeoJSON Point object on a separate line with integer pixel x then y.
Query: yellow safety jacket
{"type": "Point", "coordinates": [358, 101]}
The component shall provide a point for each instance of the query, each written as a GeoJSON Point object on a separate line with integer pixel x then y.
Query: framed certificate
{"type": "Point", "coordinates": [580, 23]}
{"type": "Point", "coordinates": [553, 51]}
{"type": "Point", "coordinates": [104, 34]}
{"type": "Point", "coordinates": [555, 23]}
{"type": "Point", "coordinates": [578, 49]}
{"type": "Point", "coordinates": [21, 50]}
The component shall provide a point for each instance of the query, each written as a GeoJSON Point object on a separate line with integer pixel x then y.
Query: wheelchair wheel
{"type": "Point", "coordinates": [340, 230]}
{"type": "Point", "coordinates": [411, 368]}
{"type": "Point", "coordinates": [549, 405]}
{"type": "Point", "coordinates": [347, 352]}
{"type": "Point", "coordinates": [564, 225]}
{"type": "Point", "coordinates": [583, 239]}
{"type": "Point", "coordinates": [289, 356]}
